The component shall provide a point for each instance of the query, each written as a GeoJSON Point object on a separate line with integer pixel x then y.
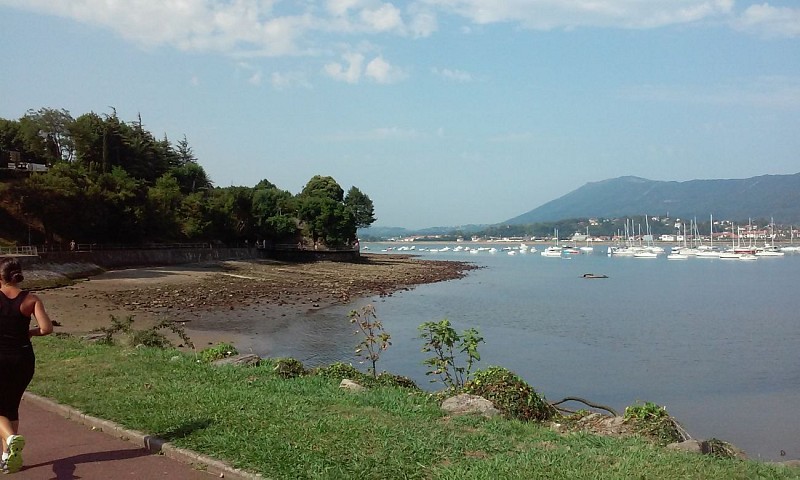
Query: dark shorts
{"type": "Point", "coordinates": [16, 372]}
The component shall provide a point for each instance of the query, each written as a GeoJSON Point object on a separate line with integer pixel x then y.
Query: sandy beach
{"type": "Point", "coordinates": [193, 293]}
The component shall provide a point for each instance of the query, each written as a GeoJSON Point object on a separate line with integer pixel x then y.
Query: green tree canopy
{"type": "Point", "coordinates": [361, 206]}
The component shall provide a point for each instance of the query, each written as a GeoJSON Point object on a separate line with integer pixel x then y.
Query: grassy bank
{"type": "Point", "coordinates": [307, 427]}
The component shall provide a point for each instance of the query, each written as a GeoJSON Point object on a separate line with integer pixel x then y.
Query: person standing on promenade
{"type": "Point", "coordinates": [17, 361]}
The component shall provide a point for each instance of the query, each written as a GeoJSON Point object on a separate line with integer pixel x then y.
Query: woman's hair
{"type": "Point", "coordinates": [10, 270]}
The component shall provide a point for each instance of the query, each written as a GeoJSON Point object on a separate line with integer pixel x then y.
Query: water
{"type": "Point", "coordinates": [715, 341]}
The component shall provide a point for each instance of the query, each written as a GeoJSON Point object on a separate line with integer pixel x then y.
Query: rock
{"type": "Point", "coordinates": [94, 337]}
{"type": "Point", "coordinates": [351, 385]}
{"type": "Point", "coordinates": [247, 359]}
{"type": "Point", "coordinates": [465, 404]}
{"type": "Point", "coordinates": [691, 446]}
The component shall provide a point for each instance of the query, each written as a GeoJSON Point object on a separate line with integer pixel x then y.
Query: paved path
{"type": "Point", "coordinates": [62, 449]}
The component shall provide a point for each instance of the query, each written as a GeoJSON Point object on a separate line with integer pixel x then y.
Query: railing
{"type": "Point", "coordinates": [92, 247]}
{"type": "Point", "coordinates": [23, 250]}
{"type": "Point", "coordinates": [294, 247]}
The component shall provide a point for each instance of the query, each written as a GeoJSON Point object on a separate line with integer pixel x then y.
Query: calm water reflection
{"type": "Point", "coordinates": [716, 341]}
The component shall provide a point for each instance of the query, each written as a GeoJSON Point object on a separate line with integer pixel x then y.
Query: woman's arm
{"type": "Point", "coordinates": [42, 319]}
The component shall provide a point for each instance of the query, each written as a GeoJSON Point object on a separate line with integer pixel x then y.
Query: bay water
{"type": "Point", "coordinates": [717, 342]}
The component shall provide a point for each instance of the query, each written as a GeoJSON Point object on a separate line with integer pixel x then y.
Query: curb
{"type": "Point", "coordinates": [150, 443]}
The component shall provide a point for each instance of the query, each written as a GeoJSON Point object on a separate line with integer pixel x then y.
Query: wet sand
{"type": "Point", "coordinates": [205, 297]}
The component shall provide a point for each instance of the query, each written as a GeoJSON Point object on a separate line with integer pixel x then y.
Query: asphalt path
{"type": "Point", "coordinates": [84, 448]}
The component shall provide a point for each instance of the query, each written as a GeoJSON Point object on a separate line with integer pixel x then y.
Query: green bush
{"type": "Point", "coordinates": [339, 371]}
{"type": "Point", "coordinates": [289, 368]}
{"type": "Point", "coordinates": [217, 352]}
{"type": "Point", "coordinates": [149, 338]}
{"type": "Point", "coordinates": [390, 380]}
{"type": "Point", "coordinates": [652, 421]}
{"type": "Point", "coordinates": [510, 394]}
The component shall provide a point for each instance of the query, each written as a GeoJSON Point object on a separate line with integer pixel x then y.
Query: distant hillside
{"type": "Point", "coordinates": [397, 232]}
{"type": "Point", "coordinates": [765, 196]}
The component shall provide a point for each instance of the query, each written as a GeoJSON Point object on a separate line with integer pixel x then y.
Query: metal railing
{"type": "Point", "coordinates": [22, 250]}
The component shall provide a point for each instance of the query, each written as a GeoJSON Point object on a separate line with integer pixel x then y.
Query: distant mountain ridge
{"type": "Point", "coordinates": [764, 196]}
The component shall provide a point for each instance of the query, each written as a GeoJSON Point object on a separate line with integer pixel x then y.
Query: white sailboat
{"type": "Point", "coordinates": [709, 252]}
{"type": "Point", "coordinates": [553, 250]}
{"type": "Point", "coordinates": [791, 247]}
{"type": "Point", "coordinates": [587, 247]}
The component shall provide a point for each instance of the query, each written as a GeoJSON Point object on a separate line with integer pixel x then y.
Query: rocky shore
{"type": "Point", "coordinates": [181, 293]}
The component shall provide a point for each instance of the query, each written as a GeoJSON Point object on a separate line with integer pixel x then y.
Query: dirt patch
{"type": "Point", "coordinates": [179, 292]}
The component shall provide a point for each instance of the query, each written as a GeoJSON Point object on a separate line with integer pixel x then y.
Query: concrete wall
{"type": "Point", "coordinates": [114, 259]}
{"type": "Point", "coordinates": [111, 259]}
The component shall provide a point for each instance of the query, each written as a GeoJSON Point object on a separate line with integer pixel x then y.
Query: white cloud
{"type": "Point", "coordinates": [385, 18]}
{"type": "Point", "coordinates": [284, 80]}
{"type": "Point", "coordinates": [382, 71]}
{"type": "Point", "coordinates": [459, 76]}
{"type": "Point", "coordinates": [551, 14]}
{"type": "Point", "coordinates": [350, 73]}
{"type": "Point", "coordinates": [770, 21]}
{"type": "Point", "coordinates": [352, 69]}
{"type": "Point", "coordinates": [255, 79]}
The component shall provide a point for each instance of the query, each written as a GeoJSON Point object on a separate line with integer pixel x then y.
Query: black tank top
{"type": "Point", "coordinates": [14, 325]}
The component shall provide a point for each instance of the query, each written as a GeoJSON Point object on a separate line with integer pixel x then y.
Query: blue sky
{"type": "Point", "coordinates": [445, 112]}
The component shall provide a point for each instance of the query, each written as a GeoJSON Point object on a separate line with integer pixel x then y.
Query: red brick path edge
{"type": "Point", "coordinates": [150, 443]}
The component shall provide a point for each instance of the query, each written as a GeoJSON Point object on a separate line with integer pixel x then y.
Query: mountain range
{"type": "Point", "coordinates": [766, 196]}
{"type": "Point", "coordinates": [762, 197]}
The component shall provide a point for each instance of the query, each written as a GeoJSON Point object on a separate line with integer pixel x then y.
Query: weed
{"type": "Point", "coordinates": [289, 368]}
{"type": "Point", "coordinates": [149, 337]}
{"type": "Point", "coordinates": [510, 394]}
{"type": "Point", "coordinates": [375, 338]}
{"type": "Point", "coordinates": [653, 421]}
{"type": "Point", "coordinates": [442, 339]}
{"type": "Point", "coordinates": [218, 352]}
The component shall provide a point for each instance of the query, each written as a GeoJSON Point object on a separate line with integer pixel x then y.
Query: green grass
{"type": "Point", "coordinates": [307, 427]}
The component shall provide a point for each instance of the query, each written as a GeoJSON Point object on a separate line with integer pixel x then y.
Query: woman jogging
{"type": "Point", "coordinates": [16, 356]}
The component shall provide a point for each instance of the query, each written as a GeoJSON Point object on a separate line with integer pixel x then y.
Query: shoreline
{"type": "Point", "coordinates": [205, 297]}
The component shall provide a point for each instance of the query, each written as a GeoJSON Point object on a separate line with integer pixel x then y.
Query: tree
{"type": "Point", "coordinates": [320, 186]}
{"type": "Point", "coordinates": [361, 206]}
{"type": "Point", "coordinates": [271, 210]}
{"type": "Point", "coordinates": [56, 198]}
{"type": "Point", "coordinates": [184, 152]}
{"type": "Point", "coordinates": [53, 127]}
{"type": "Point", "coordinates": [191, 177]}
{"type": "Point", "coordinates": [164, 201]}
{"type": "Point", "coordinates": [89, 139]}
{"type": "Point", "coordinates": [327, 220]}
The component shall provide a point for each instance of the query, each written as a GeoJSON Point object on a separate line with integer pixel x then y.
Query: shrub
{"type": "Point", "coordinates": [289, 368]}
{"type": "Point", "coordinates": [339, 371]}
{"type": "Point", "coordinates": [446, 344]}
{"type": "Point", "coordinates": [150, 338]}
{"type": "Point", "coordinates": [390, 380]}
{"type": "Point", "coordinates": [653, 421]}
{"type": "Point", "coordinates": [510, 394]}
{"type": "Point", "coordinates": [217, 352]}
{"type": "Point", "coordinates": [375, 339]}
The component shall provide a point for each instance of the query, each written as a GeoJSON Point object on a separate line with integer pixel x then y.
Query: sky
{"type": "Point", "coordinates": [444, 112]}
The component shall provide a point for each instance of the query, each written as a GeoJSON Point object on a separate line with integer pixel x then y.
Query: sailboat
{"type": "Point", "coordinates": [677, 251]}
{"type": "Point", "coordinates": [791, 247]}
{"type": "Point", "coordinates": [555, 249]}
{"type": "Point", "coordinates": [769, 249]}
{"type": "Point", "coordinates": [587, 247]}
{"type": "Point", "coordinates": [709, 252]}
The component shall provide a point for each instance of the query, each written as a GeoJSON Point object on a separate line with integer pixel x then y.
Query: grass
{"type": "Point", "coordinates": [308, 427]}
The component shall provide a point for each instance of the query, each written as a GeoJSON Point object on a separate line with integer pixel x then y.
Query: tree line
{"type": "Point", "coordinates": [111, 181]}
